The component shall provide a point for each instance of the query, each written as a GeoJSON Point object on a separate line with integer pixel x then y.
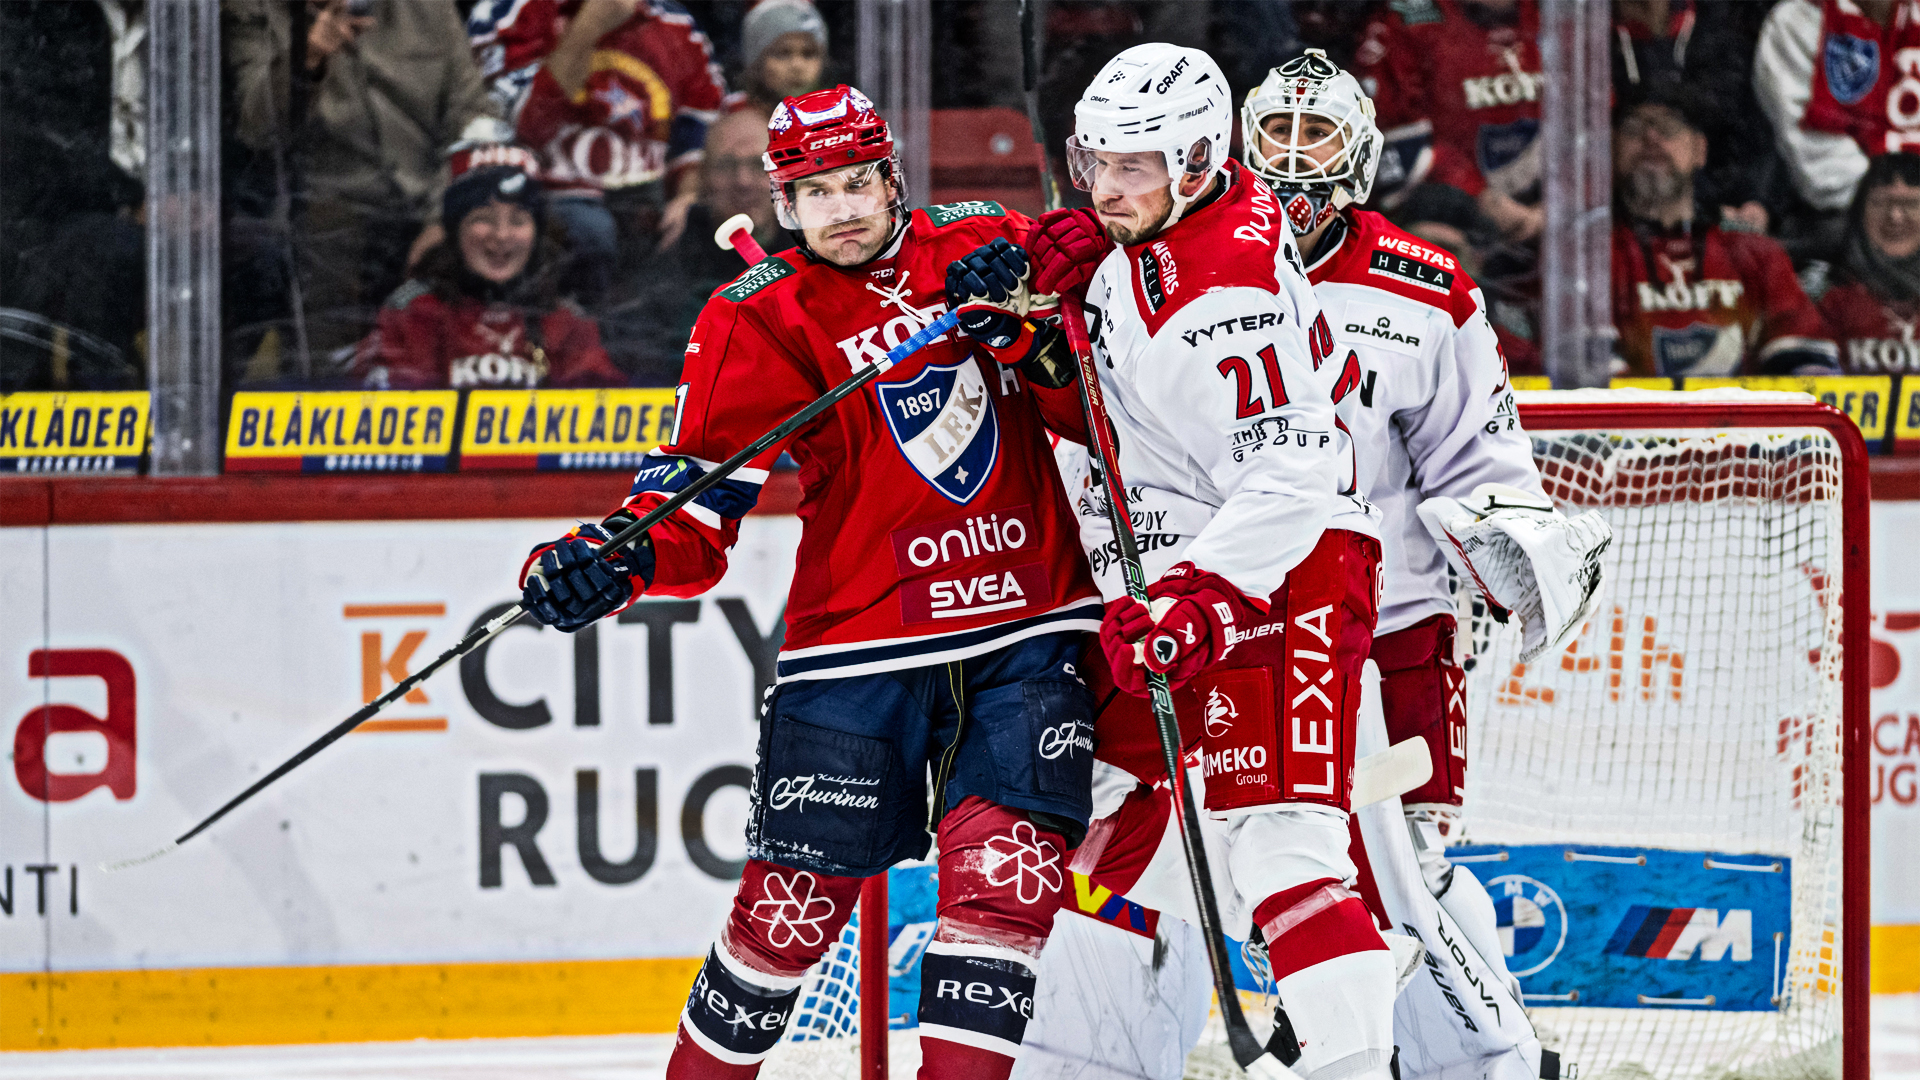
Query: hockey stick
{"type": "Point", "coordinates": [1030, 78]}
{"type": "Point", "coordinates": [628, 535]}
{"type": "Point", "coordinates": [1249, 1050]}
{"type": "Point", "coordinates": [736, 234]}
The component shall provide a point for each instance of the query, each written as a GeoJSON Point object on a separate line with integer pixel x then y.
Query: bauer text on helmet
{"type": "Point", "coordinates": [1157, 117]}
{"type": "Point", "coordinates": [1308, 130]}
{"type": "Point", "coordinates": [834, 173]}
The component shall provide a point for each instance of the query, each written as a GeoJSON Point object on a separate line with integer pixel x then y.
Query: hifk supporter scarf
{"type": "Point", "coordinates": [1859, 87]}
{"type": "Point", "coordinates": [1887, 277]}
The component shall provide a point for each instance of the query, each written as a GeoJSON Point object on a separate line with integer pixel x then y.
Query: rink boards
{"type": "Point", "coordinates": [395, 887]}
{"type": "Point", "coordinates": [542, 843]}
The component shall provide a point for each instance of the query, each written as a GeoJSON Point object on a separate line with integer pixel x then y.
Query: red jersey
{"type": "Point", "coordinates": [1478, 85]}
{"type": "Point", "coordinates": [1711, 302]}
{"type": "Point", "coordinates": [1875, 335]}
{"type": "Point", "coordinates": [422, 342]}
{"type": "Point", "coordinates": [652, 88]}
{"type": "Point", "coordinates": [933, 525]}
{"type": "Point", "coordinates": [1864, 77]}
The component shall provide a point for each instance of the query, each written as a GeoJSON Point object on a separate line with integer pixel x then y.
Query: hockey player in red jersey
{"type": "Point", "coordinates": [1221, 380]}
{"type": "Point", "coordinates": [936, 617]}
{"type": "Point", "coordinates": [1438, 414]}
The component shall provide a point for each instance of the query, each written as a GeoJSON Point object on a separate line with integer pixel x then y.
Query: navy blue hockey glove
{"type": "Point", "coordinates": [987, 291]}
{"type": "Point", "coordinates": [568, 584]}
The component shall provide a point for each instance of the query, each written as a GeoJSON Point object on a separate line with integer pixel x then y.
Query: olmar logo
{"type": "Point", "coordinates": [61, 752]}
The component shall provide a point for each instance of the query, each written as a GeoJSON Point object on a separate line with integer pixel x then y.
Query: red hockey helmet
{"type": "Point", "coordinates": [830, 131]}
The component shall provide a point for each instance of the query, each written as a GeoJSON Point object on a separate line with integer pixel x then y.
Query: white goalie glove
{"type": "Point", "coordinates": [1527, 558]}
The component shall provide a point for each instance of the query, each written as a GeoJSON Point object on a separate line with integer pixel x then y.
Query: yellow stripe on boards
{"type": "Point", "coordinates": [1896, 959]}
{"type": "Point", "coordinates": [348, 1003]}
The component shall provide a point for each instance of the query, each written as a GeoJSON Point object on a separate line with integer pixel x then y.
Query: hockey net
{"type": "Point", "coordinates": [1708, 707]}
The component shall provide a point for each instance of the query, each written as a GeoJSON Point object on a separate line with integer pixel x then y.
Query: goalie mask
{"type": "Point", "coordinates": [1308, 131]}
{"type": "Point", "coordinates": [830, 159]}
{"type": "Point", "coordinates": [1156, 116]}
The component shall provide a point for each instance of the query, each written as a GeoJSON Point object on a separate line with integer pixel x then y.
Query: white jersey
{"type": "Point", "coordinates": [1221, 401]}
{"type": "Point", "coordinates": [1435, 411]}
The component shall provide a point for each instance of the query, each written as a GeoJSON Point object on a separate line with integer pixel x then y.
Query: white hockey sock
{"type": "Point", "coordinates": [1342, 1013]}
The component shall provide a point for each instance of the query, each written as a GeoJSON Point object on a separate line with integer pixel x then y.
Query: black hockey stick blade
{"type": "Point", "coordinates": [480, 635]}
{"type": "Point", "coordinates": [1249, 1050]}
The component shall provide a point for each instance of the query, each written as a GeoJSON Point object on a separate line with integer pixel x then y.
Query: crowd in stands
{"type": "Point", "coordinates": [523, 192]}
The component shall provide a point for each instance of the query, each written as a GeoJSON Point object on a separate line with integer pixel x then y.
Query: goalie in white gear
{"type": "Point", "coordinates": [1449, 458]}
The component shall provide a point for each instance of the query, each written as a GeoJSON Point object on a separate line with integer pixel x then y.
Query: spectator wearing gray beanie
{"type": "Point", "coordinates": [784, 46]}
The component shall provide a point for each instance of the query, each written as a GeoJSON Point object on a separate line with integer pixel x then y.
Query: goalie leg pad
{"type": "Point", "coordinates": [1466, 900]}
{"type": "Point", "coordinates": [1423, 692]}
{"type": "Point", "coordinates": [1456, 1019]}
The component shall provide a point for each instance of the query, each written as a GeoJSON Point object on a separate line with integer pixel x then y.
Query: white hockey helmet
{"type": "Point", "coordinates": [1154, 99]}
{"type": "Point", "coordinates": [1312, 191]}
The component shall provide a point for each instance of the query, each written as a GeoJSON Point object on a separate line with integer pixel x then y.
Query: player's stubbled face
{"type": "Point", "coordinates": [846, 214]}
{"type": "Point", "coordinates": [1130, 195]}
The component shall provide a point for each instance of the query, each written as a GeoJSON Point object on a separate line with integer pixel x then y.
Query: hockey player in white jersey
{"type": "Point", "coordinates": [1453, 475]}
{"type": "Point", "coordinates": [1221, 380]}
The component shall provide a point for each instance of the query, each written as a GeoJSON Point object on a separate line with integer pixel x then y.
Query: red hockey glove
{"type": "Point", "coordinates": [1194, 614]}
{"type": "Point", "coordinates": [1066, 247]}
{"type": "Point", "coordinates": [1121, 629]}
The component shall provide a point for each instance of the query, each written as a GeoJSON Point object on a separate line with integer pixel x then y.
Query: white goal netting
{"type": "Point", "coordinates": [1700, 711]}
